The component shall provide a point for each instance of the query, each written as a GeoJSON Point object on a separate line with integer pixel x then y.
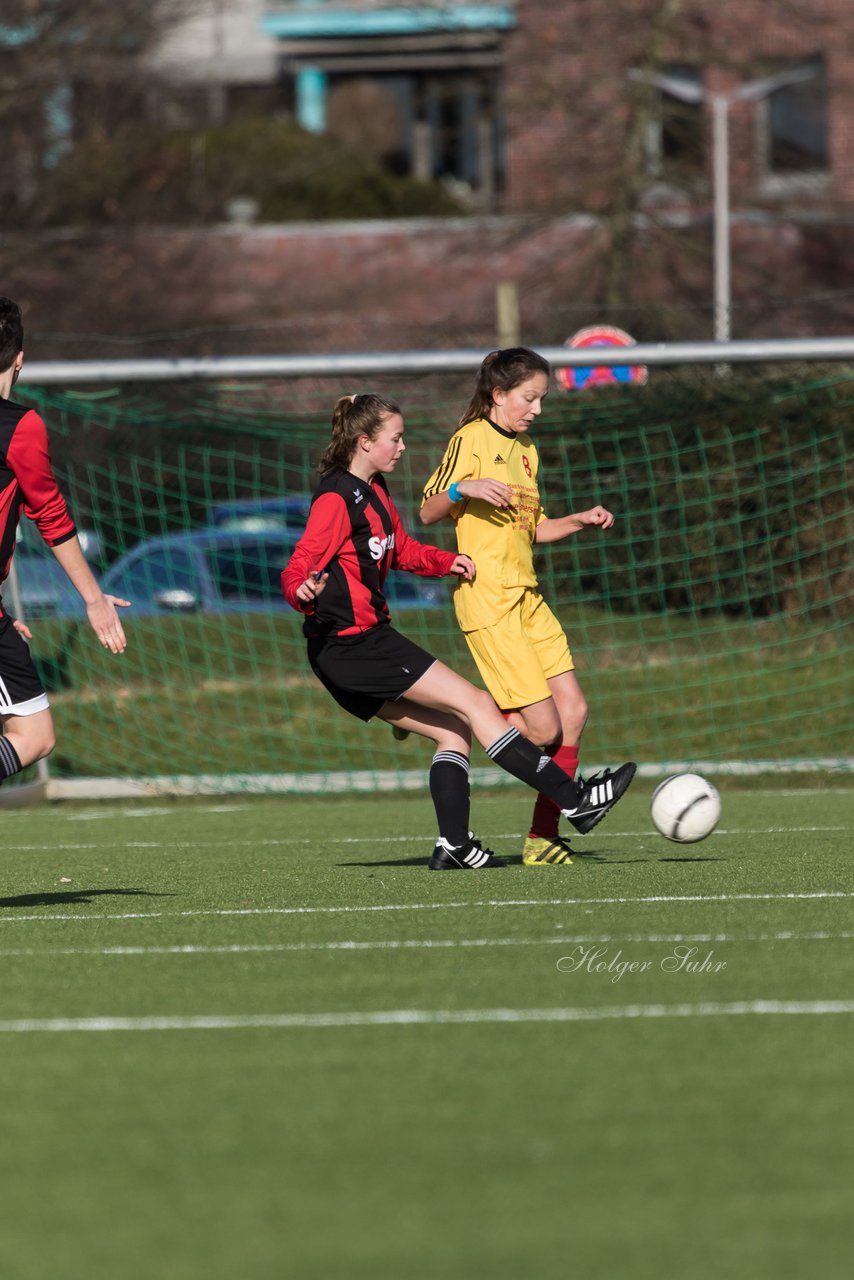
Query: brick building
{"type": "Point", "coordinates": [530, 104]}
{"type": "Point", "coordinates": [579, 124]}
{"type": "Point", "coordinates": [582, 131]}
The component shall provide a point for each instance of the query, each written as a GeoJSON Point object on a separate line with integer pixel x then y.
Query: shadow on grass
{"type": "Point", "coordinates": [687, 858]}
{"type": "Point", "coordinates": [512, 860]}
{"type": "Point", "coordinates": [617, 861]}
{"type": "Point", "coordinates": [515, 860]}
{"type": "Point", "coordinates": [77, 897]}
{"type": "Point", "coordinates": [389, 862]}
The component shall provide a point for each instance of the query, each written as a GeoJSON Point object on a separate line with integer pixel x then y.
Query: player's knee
{"type": "Point", "coordinates": [577, 720]}
{"type": "Point", "coordinates": [31, 741]}
{"type": "Point", "coordinates": [481, 704]}
{"type": "Point", "coordinates": [544, 730]}
{"type": "Point", "coordinates": [43, 744]}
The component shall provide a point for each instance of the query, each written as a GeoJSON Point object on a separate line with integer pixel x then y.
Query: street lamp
{"type": "Point", "coordinates": [752, 91]}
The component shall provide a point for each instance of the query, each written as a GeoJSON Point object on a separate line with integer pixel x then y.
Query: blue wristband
{"type": "Point", "coordinates": [454, 493]}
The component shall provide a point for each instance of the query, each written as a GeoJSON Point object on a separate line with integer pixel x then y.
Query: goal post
{"type": "Point", "coordinates": [711, 626]}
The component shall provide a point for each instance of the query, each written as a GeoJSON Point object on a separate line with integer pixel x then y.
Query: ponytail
{"type": "Point", "coordinates": [354, 416]}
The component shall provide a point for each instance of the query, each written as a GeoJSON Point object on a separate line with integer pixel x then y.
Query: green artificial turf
{"type": "Point", "coordinates": [234, 694]}
{"type": "Point", "coordinates": [646, 1122]}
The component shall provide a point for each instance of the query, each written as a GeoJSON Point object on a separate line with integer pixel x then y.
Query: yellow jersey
{"type": "Point", "coordinates": [499, 542]}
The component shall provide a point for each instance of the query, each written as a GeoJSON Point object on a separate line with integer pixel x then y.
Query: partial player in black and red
{"type": "Point", "coordinates": [28, 485]}
{"type": "Point", "coordinates": [354, 534]}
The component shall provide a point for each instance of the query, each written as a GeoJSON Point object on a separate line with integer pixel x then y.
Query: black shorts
{"type": "Point", "coordinates": [364, 671]}
{"type": "Point", "coordinates": [21, 690]}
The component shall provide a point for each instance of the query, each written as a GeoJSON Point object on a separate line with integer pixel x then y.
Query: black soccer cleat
{"type": "Point", "coordinates": [469, 857]}
{"type": "Point", "coordinates": [599, 794]}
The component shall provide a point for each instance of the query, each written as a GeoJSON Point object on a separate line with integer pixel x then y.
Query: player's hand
{"type": "Point", "coordinates": [494, 492]}
{"type": "Point", "coordinates": [22, 629]}
{"type": "Point", "coordinates": [105, 622]}
{"type": "Point", "coordinates": [597, 515]}
{"type": "Point", "coordinates": [309, 590]}
{"type": "Point", "coordinates": [463, 567]}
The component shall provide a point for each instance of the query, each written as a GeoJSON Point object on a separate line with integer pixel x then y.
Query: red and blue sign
{"type": "Point", "coordinates": [603, 375]}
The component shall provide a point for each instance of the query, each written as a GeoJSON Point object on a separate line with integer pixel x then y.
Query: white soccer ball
{"type": "Point", "coordinates": [685, 808]}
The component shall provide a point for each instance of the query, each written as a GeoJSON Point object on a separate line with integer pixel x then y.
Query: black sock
{"type": "Point", "coordinates": [449, 787]}
{"type": "Point", "coordinates": [10, 762]}
{"type": "Point", "coordinates": [527, 763]}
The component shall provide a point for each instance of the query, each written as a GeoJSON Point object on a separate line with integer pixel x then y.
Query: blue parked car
{"type": "Point", "coordinates": [258, 515]}
{"type": "Point", "coordinates": [228, 571]}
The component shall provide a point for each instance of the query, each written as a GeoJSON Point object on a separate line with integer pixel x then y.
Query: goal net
{"type": "Point", "coordinates": [711, 627]}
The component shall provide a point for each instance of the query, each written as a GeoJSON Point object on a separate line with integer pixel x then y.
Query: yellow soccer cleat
{"type": "Point", "coordinates": [542, 852]}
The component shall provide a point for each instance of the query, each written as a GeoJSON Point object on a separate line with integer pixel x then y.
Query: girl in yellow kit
{"type": "Point", "coordinates": [487, 483]}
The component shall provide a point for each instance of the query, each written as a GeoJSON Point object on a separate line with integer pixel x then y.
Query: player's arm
{"type": "Point", "coordinates": [28, 456]}
{"type": "Point", "coordinates": [305, 575]}
{"type": "Point", "coordinates": [457, 479]}
{"type": "Point", "coordinates": [440, 505]}
{"type": "Point", "coordinates": [422, 558]}
{"type": "Point", "coordinates": [100, 608]}
{"type": "Point", "coordinates": [562, 527]}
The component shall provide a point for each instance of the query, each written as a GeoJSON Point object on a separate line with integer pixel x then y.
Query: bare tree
{"type": "Point", "coordinates": [68, 68]}
{"type": "Point", "coordinates": [631, 177]}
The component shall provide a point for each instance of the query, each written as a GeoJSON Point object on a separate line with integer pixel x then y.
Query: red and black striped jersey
{"type": "Point", "coordinates": [354, 532]}
{"type": "Point", "coordinates": [27, 482]}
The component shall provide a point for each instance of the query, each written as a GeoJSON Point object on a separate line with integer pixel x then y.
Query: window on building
{"type": "Point", "coordinates": [675, 139]}
{"type": "Point", "coordinates": [433, 125]}
{"type": "Point", "coordinates": [796, 125]}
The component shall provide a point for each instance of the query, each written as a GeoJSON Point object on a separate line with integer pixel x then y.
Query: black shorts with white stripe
{"type": "Point", "coordinates": [21, 690]}
{"type": "Point", "coordinates": [364, 671]}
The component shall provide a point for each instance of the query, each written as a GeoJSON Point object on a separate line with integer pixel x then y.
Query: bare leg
{"type": "Point", "coordinates": [444, 690]}
{"type": "Point", "coordinates": [558, 720]}
{"type": "Point", "coordinates": [446, 729]}
{"type": "Point", "coordinates": [32, 736]}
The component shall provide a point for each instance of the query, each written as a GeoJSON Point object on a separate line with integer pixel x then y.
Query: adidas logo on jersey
{"type": "Point", "coordinates": [498, 458]}
{"type": "Point", "coordinates": [358, 495]}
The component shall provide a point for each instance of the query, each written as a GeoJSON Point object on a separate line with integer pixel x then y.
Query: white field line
{"type": "Point", "coordinates": [436, 906]}
{"type": "Point", "coordinates": [285, 841]}
{"type": "Point", "coordinates": [418, 944]}
{"type": "Point", "coordinates": [429, 1017]}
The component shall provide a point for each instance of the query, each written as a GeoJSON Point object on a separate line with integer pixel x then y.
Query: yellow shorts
{"type": "Point", "coordinates": [521, 652]}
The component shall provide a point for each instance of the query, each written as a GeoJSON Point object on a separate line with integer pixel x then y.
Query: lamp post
{"type": "Point", "coordinates": [752, 91]}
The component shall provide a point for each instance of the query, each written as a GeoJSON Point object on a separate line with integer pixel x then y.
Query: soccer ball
{"type": "Point", "coordinates": [685, 808]}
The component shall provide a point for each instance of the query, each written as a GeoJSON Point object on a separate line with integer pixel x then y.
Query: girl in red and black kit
{"type": "Point", "coordinates": [27, 485]}
{"type": "Point", "coordinates": [335, 577]}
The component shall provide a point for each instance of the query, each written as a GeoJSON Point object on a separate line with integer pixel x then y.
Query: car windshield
{"type": "Point", "coordinates": [249, 570]}
{"type": "Point", "coordinates": [160, 569]}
